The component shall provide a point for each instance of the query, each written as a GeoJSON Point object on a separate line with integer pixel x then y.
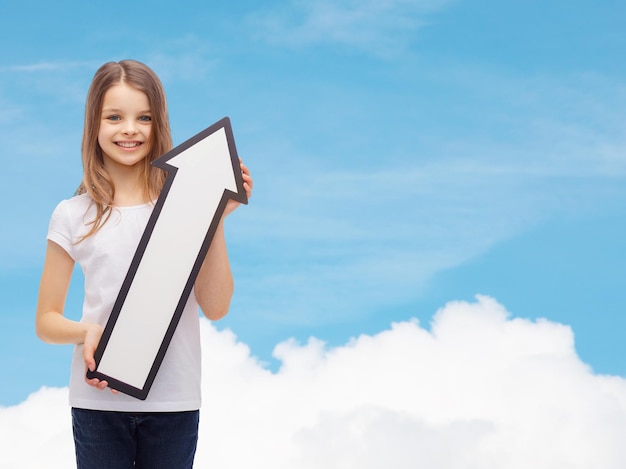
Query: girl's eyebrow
{"type": "Point", "coordinates": [109, 109]}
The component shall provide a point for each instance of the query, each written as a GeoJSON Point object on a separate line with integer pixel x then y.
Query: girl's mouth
{"type": "Point", "coordinates": [128, 144]}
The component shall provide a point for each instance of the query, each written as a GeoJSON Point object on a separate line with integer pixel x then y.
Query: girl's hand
{"type": "Point", "coordinates": [92, 338]}
{"type": "Point", "coordinates": [231, 205]}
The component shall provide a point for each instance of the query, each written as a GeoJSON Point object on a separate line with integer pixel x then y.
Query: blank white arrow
{"type": "Point", "coordinates": [203, 173]}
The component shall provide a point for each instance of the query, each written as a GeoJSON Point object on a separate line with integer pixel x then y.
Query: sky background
{"type": "Point", "coordinates": [407, 155]}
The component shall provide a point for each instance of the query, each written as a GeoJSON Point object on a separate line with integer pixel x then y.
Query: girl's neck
{"type": "Point", "coordinates": [128, 189]}
{"type": "Point", "coordinates": [126, 199]}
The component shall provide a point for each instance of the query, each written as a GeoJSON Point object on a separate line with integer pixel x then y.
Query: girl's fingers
{"type": "Point", "coordinates": [101, 385]}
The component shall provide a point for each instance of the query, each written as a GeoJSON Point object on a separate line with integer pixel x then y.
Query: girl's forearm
{"type": "Point", "coordinates": [54, 328]}
{"type": "Point", "coordinates": [214, 285]}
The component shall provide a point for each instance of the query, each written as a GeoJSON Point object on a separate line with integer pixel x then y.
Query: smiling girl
{"type": "Point", "coordinates": [126, 128]}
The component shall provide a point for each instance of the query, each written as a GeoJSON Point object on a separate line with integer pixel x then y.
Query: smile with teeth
{"type": "Point", "coordinates": [128, 144]}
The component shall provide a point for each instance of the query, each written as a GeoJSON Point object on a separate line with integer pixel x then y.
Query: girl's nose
{"type": "Point", "coordinates": [129, 129]}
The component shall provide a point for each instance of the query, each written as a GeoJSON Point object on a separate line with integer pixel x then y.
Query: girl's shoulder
{"type": "Point", "coordinates": [78, 200]}
{"type": "Point", "coordinates": [67, 222]}
{"type": "Point", "coordinates": [78, 204]}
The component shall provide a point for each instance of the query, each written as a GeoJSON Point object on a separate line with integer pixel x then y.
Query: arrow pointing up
{"type": "Point", "coordinates": [203, 173]}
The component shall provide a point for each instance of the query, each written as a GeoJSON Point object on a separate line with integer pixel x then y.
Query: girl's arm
{"type": "Point", "coordinates": [50, 324]}
{"type": "Point", "coordinates": [214, 285]}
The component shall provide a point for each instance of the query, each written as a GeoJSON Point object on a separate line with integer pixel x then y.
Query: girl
{"type": "Point", "coordinates": [126, 128]}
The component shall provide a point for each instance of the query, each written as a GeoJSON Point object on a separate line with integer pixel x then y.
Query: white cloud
{"type": "Point", "coordinates": [37, 433]}
{"type": "Point", "coordinates": [49, 66]}
{"type": "Point", "coordinates": [477, 390]}
{"type": "Point", "coordinates": [377, 26]}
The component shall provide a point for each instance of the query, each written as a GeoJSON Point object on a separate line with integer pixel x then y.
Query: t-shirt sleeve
{"type": "Point", "coordinates": [59, 229]}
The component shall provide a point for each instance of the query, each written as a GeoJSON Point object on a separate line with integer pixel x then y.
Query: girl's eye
{"type": "Point", "coordinates": [145, 119]}
{"type": "Point", "coordinates": [113, 118]}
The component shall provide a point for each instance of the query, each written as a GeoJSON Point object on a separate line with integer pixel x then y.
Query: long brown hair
{"type": "Point", "coordinates": [96, 180]}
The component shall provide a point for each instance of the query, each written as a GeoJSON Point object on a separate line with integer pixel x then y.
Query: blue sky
{"type": "Point", "coordinates": [405, 154]}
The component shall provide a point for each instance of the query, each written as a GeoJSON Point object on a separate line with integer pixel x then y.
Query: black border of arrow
{"type": "Point", "coordinates": [240, 196]}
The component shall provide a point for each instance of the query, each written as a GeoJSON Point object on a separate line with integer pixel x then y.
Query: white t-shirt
{"type": "Point", "coordinates": [104, 258]}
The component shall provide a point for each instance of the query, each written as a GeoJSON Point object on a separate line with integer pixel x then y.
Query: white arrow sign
{"type": "Point", "coordinates": [203, 173]}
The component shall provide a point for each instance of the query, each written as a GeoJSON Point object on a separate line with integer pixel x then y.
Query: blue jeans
{"type": "Point", "coordinates": [121, 440]}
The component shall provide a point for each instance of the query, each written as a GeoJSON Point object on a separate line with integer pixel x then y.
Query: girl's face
{"type": "Point", "coordinates": [125, 126]}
